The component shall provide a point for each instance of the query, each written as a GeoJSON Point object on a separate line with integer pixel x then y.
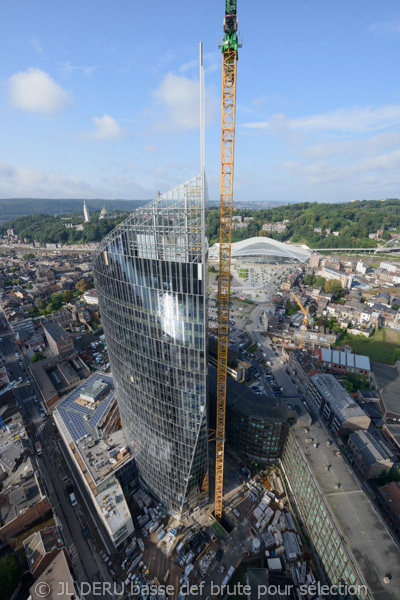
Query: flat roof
{"type": "Point", "coordinates": [113, 505]}
{"type": "Point", "coordinates": [372, 547]}
{"type": "Point", "coordinates": [57, 332]}
{"type": "Point", "coordinates": [79, 422]}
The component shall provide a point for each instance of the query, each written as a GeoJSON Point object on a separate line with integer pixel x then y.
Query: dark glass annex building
{"type": "Point", "coordinates": [151, 279]}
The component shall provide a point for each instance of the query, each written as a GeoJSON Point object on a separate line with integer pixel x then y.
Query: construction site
{"type": "Point", "coordinates": [202, 557]}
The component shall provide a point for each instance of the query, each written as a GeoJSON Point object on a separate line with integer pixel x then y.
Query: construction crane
{"type": "Point", "coordinates": [307, 319]}
{"type": "Point", "coordinates": [229, 48]}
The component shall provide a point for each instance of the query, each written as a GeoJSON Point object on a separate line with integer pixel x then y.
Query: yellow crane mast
{"type": "Point", "coordinates": [229, 49]}
{"type": "Point", "coordinates": [306, 320]}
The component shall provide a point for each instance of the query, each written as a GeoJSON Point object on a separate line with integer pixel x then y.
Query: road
{"type": "Point", "coordinates": [88, 566]}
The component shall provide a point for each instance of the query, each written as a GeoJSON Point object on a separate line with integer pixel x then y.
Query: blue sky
{"type": "Point", "coordinates": [101, 98]}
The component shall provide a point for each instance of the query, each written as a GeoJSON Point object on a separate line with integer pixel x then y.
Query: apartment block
{"type": "Point", "coordinates": [336, 405]}
{"type": "Point", "coordinates": [368, 456]}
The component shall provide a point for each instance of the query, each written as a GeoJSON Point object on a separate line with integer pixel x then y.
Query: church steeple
{"type": "Point", "coordinates": [86, 212]}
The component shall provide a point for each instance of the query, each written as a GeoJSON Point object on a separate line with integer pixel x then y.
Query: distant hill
{"type": "Point", "coordinates": [13, 208]}
{"type": "Point", "coordinates": [340, 225]}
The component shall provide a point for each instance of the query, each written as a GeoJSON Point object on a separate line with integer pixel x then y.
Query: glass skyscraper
{"type": "Point", "coordinates": [151, 278]}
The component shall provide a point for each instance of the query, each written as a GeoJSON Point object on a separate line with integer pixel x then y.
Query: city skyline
{"type": "Point", "coordinates": [105, 104]}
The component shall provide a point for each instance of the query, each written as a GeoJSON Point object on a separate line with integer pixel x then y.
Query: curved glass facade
{"type": "Point", "coordinates": [151, 279]}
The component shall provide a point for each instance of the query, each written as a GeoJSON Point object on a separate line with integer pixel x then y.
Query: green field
{"type": "Point", "coordinates": [383, 346]}
{"type": "Point", "coordinates": [243, 273]}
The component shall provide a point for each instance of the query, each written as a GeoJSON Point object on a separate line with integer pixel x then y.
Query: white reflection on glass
{"type": "Point", "coordinates": [170, 316]}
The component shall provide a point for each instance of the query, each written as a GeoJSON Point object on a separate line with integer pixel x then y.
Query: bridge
{"type": "Point", "coordinates": [382, 249]}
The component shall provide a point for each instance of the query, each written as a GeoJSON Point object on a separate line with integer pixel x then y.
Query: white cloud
{"type": "Point", "coordinates": [107, 128]}
{"type": "Point", "coordinates": [386, 27]}
{"type": "Point", "coordinates": [345, 120]}
{"type": "Point", "coordinates": [35, 91]}
{"type": "Point", "coordinates": [151, 149]}
{"type": "Point", "coordinates": [25, 182]}
{"type": "Point", "coordinates": [67, 67]}
{"type": "Point", "coordinates": [179, 98]}
{"type": "Point", "coordinates": [36, 45]}
{"type": "Point", "coordinates": [362, 146]}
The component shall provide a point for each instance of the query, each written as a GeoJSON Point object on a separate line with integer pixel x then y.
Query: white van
{"type": "Point", "coordinates": [72, 499]}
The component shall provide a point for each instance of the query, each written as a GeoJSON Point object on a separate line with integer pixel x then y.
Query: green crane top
{"type": "Point", "coordinates": [231, 40]}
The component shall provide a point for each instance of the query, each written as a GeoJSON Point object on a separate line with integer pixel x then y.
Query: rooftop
{"type": "Point", "coordinates": [58, 580]}
{"type": "Point", "coordinates": [113, 505]}
{"type": "Point", "coordinates": [57, 332]}
{"type": "Point", "coordinates": [388, 381]}
{"type": "Point", "coordinates": [20, 490]}
{"type": "Point", "coordinates": [370, 544]}
{"type": "Point", "coordinates": [337, 397]}
{"type": "Point", "coordinates": [41, 543]}
{"type": "Point", "coordinates": [55, 374]}
{"type": "Point", "coordinates": [346, 359]}
{"type": "Point", "coordinates": [80, 421]}
{"type": "Point", "coordinates": [372, 449]}
{"type": "Point", "coordinates": [391, 493]}
{"type": "Point", "coordinates": [394, 432]}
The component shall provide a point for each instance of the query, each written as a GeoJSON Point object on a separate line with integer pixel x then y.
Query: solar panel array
{"type": "Point", "coordinates": [73, 413]}
{"type": "Point", "coordinates": [102, 410]}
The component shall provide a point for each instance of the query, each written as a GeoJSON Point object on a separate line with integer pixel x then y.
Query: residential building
{"type": "Point", "coordinates": [345, 279]}
{"type": "Point", "coordinates": [23, 500]}
{"type": "Point", "coordinates": [392, 431]}
{"type": "Point", "coordinates": [90, 297]}
{"type": "Point", "coordinates": [315, 260]}
{"type": "Point", "coordinates": [57, 581]}
{"type": "Point", "coordinates": [388, 266]}
{"type": "Point", "coordinates": [344, 362]}
{"type": "Point", "coordinates": [368, 455]}
{"type": "Point", "coordinates": [368, 396]}
{"type": "Point", "coordinates": [304, 365]}
{"type": "Point", "coordinates": [336, 405]}
{"type": "Point", "coordinates": [60, 342]}
{"type": "Point", "coordinates": [151, 280]}
{"type": "Point", "coordinates": [42, 547]}
{"type": "Point", "coordinates": [388, 498]}
{"type": "Point", "coordinates": [278, 227]}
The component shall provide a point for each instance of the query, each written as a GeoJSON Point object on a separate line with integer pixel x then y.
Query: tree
{"type": "Point", "coordinates": [291, 309]}
{"type": "Point", "coordinates": [67, 296]}
{"type": "Point", "coordinates": [334, 287]}
{"type": "Point", "coordinates": [395, 306]}
{"type": "Point", "coordinates": [55, 303]}
{"type": "Point", "coordinates": [37, 356]}
{"type": "Point", "coordinates": [28, 256]}
{"type": "Point", "coordinates": [10, 574]}
{"type": "Point", "coordinates": [84, 285]}
{"type": "Point", "coordinates": [39, 303]}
